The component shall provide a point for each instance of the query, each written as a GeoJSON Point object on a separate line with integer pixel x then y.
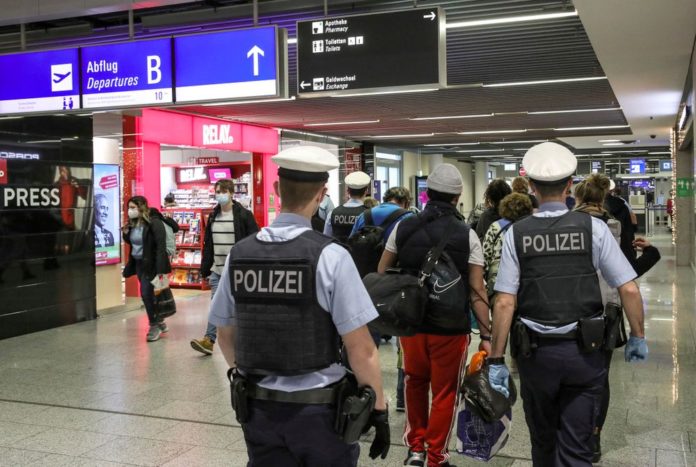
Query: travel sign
{"type": "Point", "coordinates": [39, 81]}
{"type": "Point", "coordinates": [228, 65]}
{"type": "Point", "coordinates": [372, 53]}
{"type": "Point", "coordinates": [127, 74]}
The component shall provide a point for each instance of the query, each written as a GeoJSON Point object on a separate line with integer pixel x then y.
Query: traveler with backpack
{"type": "Point", "coordinates": [339, 222]}
{"type": "Point", "coordinates": [434, 357]}
{"type": "Point", "coordinates": [148, 259]}
{"type": "Point", "coordinates": [227, 224]}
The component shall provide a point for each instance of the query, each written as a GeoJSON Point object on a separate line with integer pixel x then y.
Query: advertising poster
{"type": "Point", "coordinates": [107, 245]}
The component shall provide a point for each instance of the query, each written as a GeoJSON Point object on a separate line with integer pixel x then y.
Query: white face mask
{"type": "Point", "coordinates": [133, 213]}
{"type": "Point", "coordinates": [222, 198]}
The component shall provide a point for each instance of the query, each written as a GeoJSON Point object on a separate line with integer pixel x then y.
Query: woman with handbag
{"type": "Point", "coordinates": [148, 258]}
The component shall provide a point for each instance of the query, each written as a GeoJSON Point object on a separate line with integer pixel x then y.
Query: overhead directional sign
{"type": "Point", "coordinates": [131, 73]}
{"type": "Point", "coordinates": [39, 81]}
{"type": "Point", "coordinates": [228, 65]}
{"type": "Point", "coordinates": [369, 53]}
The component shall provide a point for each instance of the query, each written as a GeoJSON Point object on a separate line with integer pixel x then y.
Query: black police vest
{"type": "Point", "coordinates": [558, 282]}
{"type": "Point", "coordinates": [342, 220]}
{"type": "Point", "coordinates": [416, 235]}
{"type": "Point", "coordinates": [281, 328]}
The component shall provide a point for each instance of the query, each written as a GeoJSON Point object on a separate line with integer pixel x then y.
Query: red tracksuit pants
{"type": "Point", "coordinates": [436, 363]}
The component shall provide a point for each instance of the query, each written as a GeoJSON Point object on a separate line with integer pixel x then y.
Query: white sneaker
{"type": "Point", "coordinates": [153, 333]}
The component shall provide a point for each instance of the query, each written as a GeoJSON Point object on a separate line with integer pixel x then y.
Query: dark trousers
{"type": "Point", "coordinates": [147, 293]}
{"type": "Point", "coordinates": [561, 390]}
{"type": "Point", "coordinates": [295, 435]}
{"type": "Point", "coordinates": [606, 393]}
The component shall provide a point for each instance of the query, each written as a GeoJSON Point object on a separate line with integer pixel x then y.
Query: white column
{"type": "Point", "coordinates": [480, 181]}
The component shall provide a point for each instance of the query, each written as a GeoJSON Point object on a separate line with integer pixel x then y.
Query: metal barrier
{"type": "Point", "coordinates": [653, 214]}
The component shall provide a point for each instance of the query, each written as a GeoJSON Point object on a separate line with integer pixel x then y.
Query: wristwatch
{"type": "Point", "coordinates": [485, 338]}
{"type": "Point", "coordinates": [496, 361]}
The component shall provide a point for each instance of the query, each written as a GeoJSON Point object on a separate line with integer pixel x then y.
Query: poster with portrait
{"type": "Point", "coordinates": [107, 239]}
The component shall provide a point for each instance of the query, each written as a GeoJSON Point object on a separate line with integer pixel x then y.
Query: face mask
{"type": "Point", "coordinates": [222, 198]}
{"type": "Point", "coordinates": [133, 213]}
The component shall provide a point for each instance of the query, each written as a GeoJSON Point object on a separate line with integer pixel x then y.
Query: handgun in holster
{"type": "Point", "coordinates": [521, 344]}
{"type": "Point", "coordinates": [239, 393]}
{"type": "Point", "coordinates": [615, 332]}
{"type": "Point", "coordinates": [353, 412]}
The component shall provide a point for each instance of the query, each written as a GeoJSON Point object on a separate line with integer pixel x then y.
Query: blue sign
{"type": "Point", "coordinates": [666, 165]}
{"type": "Point", "coordinates": [637, 166]}
{"type": "Point", "coordinates": [131, 73]}
{"type": "Point", "coordinates": [227, 65]}
{"type": "Point", "coordinates": [39, 81]}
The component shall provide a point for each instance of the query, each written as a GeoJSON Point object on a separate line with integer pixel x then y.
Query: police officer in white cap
{"type": "Point", "coordinates": [339, 223]}
{"type": "Point", "coordinates": [548, 282]}
{"type": "Point", "coordinates": [282, 308]}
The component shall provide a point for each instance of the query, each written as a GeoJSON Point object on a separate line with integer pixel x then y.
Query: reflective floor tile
{"type": "Point", "coordinates": [209, 457]}
{"type": "Point", "coordinates": [136, 451]}
{"type": "Point", "coordinates": [62, 441]}
{"type": "Point", "coordinates": [13, 457]}
{"type": "Point", "coordinates": [131, 425]}
{"type": "Point", "coordinates": [199, 434]}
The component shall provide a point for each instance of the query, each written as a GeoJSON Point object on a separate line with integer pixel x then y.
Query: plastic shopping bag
{"type": "Point", "coordinates": [479, 439]}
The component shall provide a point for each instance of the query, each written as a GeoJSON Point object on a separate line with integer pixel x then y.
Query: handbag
{"type": "Point", "coordinates": [164, 303]}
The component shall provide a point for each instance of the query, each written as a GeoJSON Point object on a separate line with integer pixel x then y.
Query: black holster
{"type": "Point", "coordinates": [615, 332]}
{"type": "Point", "coordinates": [239, 392]}
{"type": "Point", "coordinates": [353, 408]}
{"type": "Point", "coordinates": [521, 345]}
{"type": "Point", "coordinates": [590, 334]}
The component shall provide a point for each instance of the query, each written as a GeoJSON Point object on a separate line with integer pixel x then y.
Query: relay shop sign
{"type": "Point", "coordinates": [39, 81]}
{"type": "Point", "coordinates": [211, 133]}
{"type": "Point", "coordinates": [132, 73]}
{"type": "Point", "coordinates": [372, 53]}
{"type": "Point", "coordinates": [227, 65]}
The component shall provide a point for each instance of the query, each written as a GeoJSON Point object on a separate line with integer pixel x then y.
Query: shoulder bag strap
{"type": "Point", "coordinates": [501, 232]}
{"type": "Point", "coordinates": [392, 217]}
{"type": "Point", "coordinates": [367, 216]}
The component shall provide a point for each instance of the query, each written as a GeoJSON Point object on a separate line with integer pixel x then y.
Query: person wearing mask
{"type": "Point", "coordinates": [339, 222]}
{"type": "Point", "coordinates": [227, 224]}
{"type": "Point", "coordinates": [434, 356]}
{"type": "Point", "coordinates": [547, 280]}
{"type": "Point", "coordinates": [496, 191]}
{"type": "Point", "coordinates": [286, 392]}
{"type": "Point", "coordinates": [521, 185]}
{"type": "Point", "coordinates": [148, 259]}
{"type": "Point", "coordinates": [513, 207]}
{"type": "Point", "coordinates": [590, 194]}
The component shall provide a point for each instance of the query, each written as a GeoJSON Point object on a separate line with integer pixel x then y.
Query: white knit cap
{"type": "Point", "coordinates": [445, 178]}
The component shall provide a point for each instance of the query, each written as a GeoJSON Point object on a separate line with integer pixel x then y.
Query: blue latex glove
{"type": "Point", "coordinates": [498, 376]}
{"type": "Point", "coordinates": [636, 349]}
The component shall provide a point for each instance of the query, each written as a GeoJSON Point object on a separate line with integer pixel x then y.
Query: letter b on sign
{"type": "Point", "coordinates": [154, 74]}
{"type": "Point", "coordinates": [3, 172]}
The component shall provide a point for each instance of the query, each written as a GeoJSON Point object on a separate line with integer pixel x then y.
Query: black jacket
{"type": "Point", "coordinates": [619, 211]}
{"type": "Point", "coordinates": [155, 259]}
{"type": "Point", "coordinates": [489, 216]}
{"type": "Point", "coordinates": [244, 225]}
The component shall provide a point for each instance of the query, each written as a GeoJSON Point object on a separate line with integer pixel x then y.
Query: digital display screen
{"type": "Point", "coordinates": [596, 166]}
{"type": "Point", "coordinates": [510, 167]}
{"type": "Point", "coordinates": [39, 81]}
{"type": "Point", "coordinates": [227, 65]}
{"type": "Point", "coordinates": [666, 165]}
{"type": "Point", "coordinates": [131, 73]}
{"type": "Point", "coordinates": [640, 184]}
{"type": "Point", "coordinates": [637, 166]}
{"type": "Point", "coordinates": [219, 174]}
{"type": "Point", "coordinates": [107, 229]}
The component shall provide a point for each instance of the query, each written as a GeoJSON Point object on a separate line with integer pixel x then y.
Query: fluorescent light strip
{"type": "Point", "coordinates": [358, 122]}
{"type": "Point", "coordinates": [452, 117]}
{"type": "Point", "coordinates": [543, 81]}
{"type": "Point", "coordinates": [452, 144]}
{"type": "Point", "coordinates": [385, 92]}
{"type": "Point", "coordinates": [612, 144]}
{"type": "Point", "coordinates": [421, 135]}
{"type": "Point", "coordinates": [608, 127]}
{"type": "Point", "coordinates": [492, 132]}
{"type": "Point", "coordinates": [492, 155]}
{"type": "Point", "coordinates": [480, 150]}
{"type": "Point", "coordinates": [511, 19]}
{"type": "Point", "coordinates": [608, 140]}
{"type": "Point", "coordinates": [519, 141]}
{"type": "Point", "coordinates": [292, 40]}
{"type": "Point", "coordinates": [547, 112]}
{"type": "Point", "coordinates": [660, 152]}
{"type": "Point", "coordinates": [254, 101]}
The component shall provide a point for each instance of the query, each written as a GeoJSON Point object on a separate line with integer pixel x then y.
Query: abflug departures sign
{"type": "Point", "coordinates": [130, 73]}
{"type": "Point", "coordinates": [396, 50]}
{"type": "Point", "coordinates": [39, 81]}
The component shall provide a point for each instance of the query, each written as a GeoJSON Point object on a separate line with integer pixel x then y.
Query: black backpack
{"type": "Point", "coordinates": [367, 245]}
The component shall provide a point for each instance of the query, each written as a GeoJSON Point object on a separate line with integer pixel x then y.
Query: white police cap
{"type": "Point", "coordinates": [612, 185]}
{"type": "Point", "coordinates": [305, 163]}
{"type": "Point", "coordinates": [357, 180]}
{"type": "Point", "coordinates": [549, 163]}
{"type": "Point", "coordinates": [445, 178]}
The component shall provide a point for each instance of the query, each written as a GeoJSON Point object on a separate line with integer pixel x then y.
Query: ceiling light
{"type": "Point", "coordinates": [420, 135]}
{"type": "Point", "coordinates": [543, 81]}
{"type": "Point", "coordinates": [480, 150]}
{"type": "Point", "coordinates": [39, 141]}
{"type": "Point", "coordinates": [612, 144]}
{"type": "Point", "coordinates": [608, 140]}
{"type": "Point", "coordinates": [452, 144]}
{"type": "Point", "coordinates": [511, 19]}
{"type": "Point", "coordinates": [545, 112]}
{"type": "Point", "coordinates": [519, 141]}
{"type": "Point", "coordinates": [292, 40]}
{"type": "Point", "coordinates": [625, 152]}
{"type": "Point", "coordinates": [607, 127]}
{"type": "Point", "coordinates": [491, 132]}
{"type": "Point", "coordinates": [357, 94]}
{"type": "Point", "coordinates": [452, 117]}
{"type": "Point", "coordinates": [659, 152]}
{"type": "Point", "coordinates": [498, 156]}
{"type": "Point", "coordinates": [254, 101]}
{"type": "Point", "coordinates": [358, 122]}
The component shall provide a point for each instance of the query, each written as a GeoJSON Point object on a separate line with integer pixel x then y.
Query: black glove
{"type": "Point", "coordinates": [380, 445]}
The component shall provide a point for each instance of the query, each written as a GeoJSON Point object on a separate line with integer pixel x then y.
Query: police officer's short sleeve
{"type": "Point", "coordinates": [222, 306]}
{"type": "Point", "coordinates": [508, 280]}
{"type": "Point", "coordinates": [340, 290]}
{"type": "Point", "coordinates": [475, 250]}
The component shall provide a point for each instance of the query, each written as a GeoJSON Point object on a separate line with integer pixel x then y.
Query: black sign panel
{"type": "Point", "coordinates": [378, 52]}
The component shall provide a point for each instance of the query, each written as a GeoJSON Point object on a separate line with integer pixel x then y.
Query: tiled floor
{"type": "Point", "coordinates": [96, 394]}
